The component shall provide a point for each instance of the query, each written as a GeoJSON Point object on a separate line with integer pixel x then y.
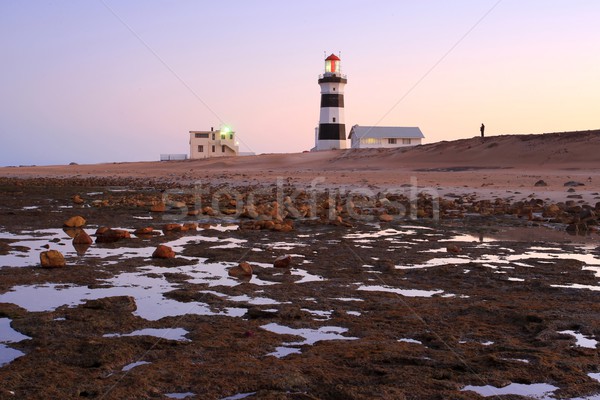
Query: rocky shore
{"type": "Point", "coordinates": [287, 291]}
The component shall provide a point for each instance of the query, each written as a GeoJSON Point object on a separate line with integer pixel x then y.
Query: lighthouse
{"type": "Point", "coordinates": [331, 133]}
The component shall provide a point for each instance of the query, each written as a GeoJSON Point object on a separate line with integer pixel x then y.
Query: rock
{"type": "Point", "coordinates": [551, 211]}
{"type": "Point", "coordinates": [171, 228]}
{"type": "Point", "coordinates": [101, 230]}
{"type": "Point", "coordinates": [244, 269]}
{"type": "Point", "coordinates": [77, 199]}
{"type": "Point", "coordinates": [541, 182]}
{"type": "Point", "coordinates": [283, 261]}
{"type": "Point", "coordinates": [257, 313]}
{"type": "Point", "coordinates": [587, 213]}
{"type": "Point", "coordinates": [52, 259]}
{"type": "Point", "coordinates": [116, 303]}
{"type": "Point", "coordinates": [190, 226]}
{"type": "Point", "coordinates": [453, 248]}
{"type": "Point", "coordinates": [163, 251]}
{"type": "Point", "coordinates": [573, 184]}
{"type": "Point", "coordinates": [385, 265]}
{"type": "Point", "coordinates": [75, 222]}
{"type": "Point", "coordinates": [148, 230]}
{"type": "Point", "coordinates": [209, 211]}
{"type": "Point", "coordinates": [386, 217]}
{"type": "Point", "coordinates": [112, 235]}
{"type": "Point", "coordinates": [176, 204]}
{"type": "Point", "coordinates": [82, 238]}
{"type": "Point", "coordinates": [577, 228]}
{"type": "Point", "coordinates": [157, 208]}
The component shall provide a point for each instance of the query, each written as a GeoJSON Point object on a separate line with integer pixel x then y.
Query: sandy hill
{"type": "Point", "coordinates": [506, 151]}
{"type": "Point", "coordinates": [565, 150]}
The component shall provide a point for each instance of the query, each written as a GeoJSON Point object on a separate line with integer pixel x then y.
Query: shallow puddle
{"type": "Point", "coordinates": [536, 390]}
{"type": "Point", "coordinates": [180, 395]}
{"type": "Point", "coordinates": [239, 396]}
{"type": "Point", "coordinates": [311, 336]}
{"type": "Point", "coordinates": [9, 335]}
{"type": "Point", "coordinates": [147, 292]}
{"type": "Point", "coordinates": [403, 292]}
{"type": "Point", "coordinates": [133, 365]}
{"type": "Point", "coordinates": [161, 333]}
{"type": "Point", "coordinates": [581, 340]}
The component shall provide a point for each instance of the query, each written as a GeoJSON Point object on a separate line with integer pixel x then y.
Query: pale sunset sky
{"type": "Point", "coordinates": [103, 80]}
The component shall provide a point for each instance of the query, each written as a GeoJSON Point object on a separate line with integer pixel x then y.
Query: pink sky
{"type": "Point", "coordinates": [109, 81]}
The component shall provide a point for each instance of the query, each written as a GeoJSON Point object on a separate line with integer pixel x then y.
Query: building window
{"type": "Point", "coordinates": [213, 137]}
{"type": "Point", "coordinates": [333, 119]}
{"type": "Point", "coordinates": [392, 141]}
{"type": "Point", "coordinates": [223, 149]}
{"type": "Point", "coordinates": [213, 148]}
{"type": "Point", "coordinates": [231, 136]}
{"type": "Point", "coordinates": [223, 136]}
{"type": "Point", "coordinates": [370, 141]}
{"type": "Point", "coordinates": [405, 141]}
{"type": "Point", "coordinates": [200, 148]}
{"type": "Point", "coordinates": [334, 89]}
{"type": "Point", "coordinates": [201, 135]}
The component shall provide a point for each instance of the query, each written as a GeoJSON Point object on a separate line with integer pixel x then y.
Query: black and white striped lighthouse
{"type": "Point", "coordinates": [331, 133]}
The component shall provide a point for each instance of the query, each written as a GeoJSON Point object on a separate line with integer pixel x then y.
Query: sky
{"type": "Point", "coordinates": [109, 81]}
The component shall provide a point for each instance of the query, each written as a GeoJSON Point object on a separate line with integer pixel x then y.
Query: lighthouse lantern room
{"type": "Point", "coordinates": [331, 133]}
{"type": "Point", "coordinates": [332, 64]}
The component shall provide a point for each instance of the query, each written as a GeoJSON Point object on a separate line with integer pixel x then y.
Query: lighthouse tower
{"type": "Point", "coordinates": [331, 133]}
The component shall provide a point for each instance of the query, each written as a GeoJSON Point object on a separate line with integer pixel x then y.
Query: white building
{"type": "Point", "coordinates": [368, 137]}
{"type": "Point", "coordinates": [207, 144]}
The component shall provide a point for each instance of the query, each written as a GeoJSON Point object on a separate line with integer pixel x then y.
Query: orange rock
{"type": "Point", "coordinates": [163, 251]}
{"type": "Point", "coordinates": [111, 235]}
{"type": "Point", "coordinates": [77, 199]}
{"type": "Point", "coordinates": [171, 227]}
{"type": "Point", "coordinates": [267, 225]}
{"type": "Point", "coordinates": [192, 226]}
{"type": "Point", "coordinates": [244, 269]}
{"type": "Point", "coordinates": [453, 248]}
{"type": "Point", "coordinates": [52, 259]}
{"type": "Point", "coordinates": [148, 230]}
{"type": "Point", "coordinates": [160, 207]}
{"type": "Point", "coordinates": [101, 230]}
{"type": "Point", "coordinates": [386, 218]}
{"type": "Point", "coordinates": [75, 222]}
{"type": "Point", "coordinates": [283, 261]}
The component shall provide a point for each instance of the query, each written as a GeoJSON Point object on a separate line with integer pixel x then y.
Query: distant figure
{"type": "Point", "coordinates": [482, 129]}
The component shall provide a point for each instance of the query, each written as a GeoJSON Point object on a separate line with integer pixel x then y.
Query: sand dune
{"type": "Point", "coordinates": [552, 150]}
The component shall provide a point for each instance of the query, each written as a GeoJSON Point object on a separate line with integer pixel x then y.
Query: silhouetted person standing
{"type": "Point", "coordinates": [482, 129]}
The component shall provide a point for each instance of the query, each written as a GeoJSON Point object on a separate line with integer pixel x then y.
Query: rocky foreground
{"type": "Point", "coordinates": [283, 292]}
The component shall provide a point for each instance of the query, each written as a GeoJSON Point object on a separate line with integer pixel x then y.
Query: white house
{"type": "Point", "coordinates": [206, 144]}
{"type": "Point", "coordinates": [368, 137]}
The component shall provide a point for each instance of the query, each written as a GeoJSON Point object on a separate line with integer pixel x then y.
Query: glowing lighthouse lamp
{"type": "Point", "coordinates": [331, 133]}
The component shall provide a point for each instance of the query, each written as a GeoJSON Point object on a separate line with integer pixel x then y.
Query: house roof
{"type": "Point", "coordinates": [385, 132]}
